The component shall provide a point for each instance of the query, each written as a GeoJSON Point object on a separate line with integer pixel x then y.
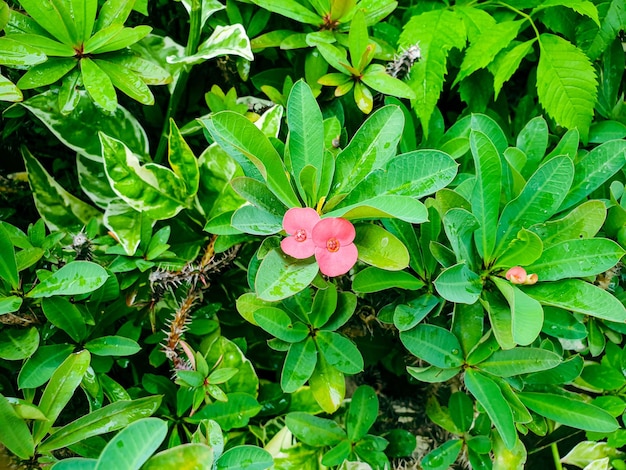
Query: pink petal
{"type": "Point", "coordinates": [299, 250]}
{"type": "Point", "coordinates": [338, 262]}
{"type": "Point", "coordinates": [300, 218]}
{"type": "Point", "coordinates": [340, 229]}
{"type": "Point", "coordinates": [517, 275]}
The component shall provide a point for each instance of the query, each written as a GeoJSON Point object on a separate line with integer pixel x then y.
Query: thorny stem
{"type": "Point", "coordinates": [195, 28]}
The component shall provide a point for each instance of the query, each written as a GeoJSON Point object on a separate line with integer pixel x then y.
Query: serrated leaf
{"type": "Point", "coordinates": [506, 62]}
{"type": "Point", "coordinates": [566, 83]}
{"type": "Point", "coordinates": [486, 46]}
{"type": "Point", "coordinates": [436, 32]}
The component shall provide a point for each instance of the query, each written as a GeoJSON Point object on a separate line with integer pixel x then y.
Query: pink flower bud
{"type": "Point", "coordinates": [517, 275]}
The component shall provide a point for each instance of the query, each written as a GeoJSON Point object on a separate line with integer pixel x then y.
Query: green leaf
{"type": "Point", "coordinates": [382, 207]}
{"type": "Point", "coordinates": [372, 146]}
{"type": "Point", "coordinates": [305, 142]}
{"type": "Point", "coordinates": [415, 174]}
{"type": "Point", "coordinates": [506, 63]}
{"type": "Point", "coordinates": [299, 365]}
{"type": "Point", "coordinates": [133, 445]}
{"type": "Point", "coordinates": [339, 351]}
{"type": "Point", "coordinates": [577, 258]}
{"type": "Point", "coordinates": [253, 151]}
{"type": "Point", "coordinates": [291, 9]}
{"type": "Point", "coordinates": [225, 40]}
{"type": "Point", "coordinates": [526, 312]}
{"type": "Point", "coordinates": [8, 91]}
{"type": "Point", "coordinates": [8, 264]}
{"type": "Point", "coordinates": [55, 17]}
{"type": "Point", "coordinates": [566, 83]}
{"type": "Point", "coordinates": [328, 385]}
{"type": "Point", "coordinates": [152, 189]}
{"type": "Point", "coordinates": [362, 412]}
{"type": "Point", "coordinates": [181, 456]}
{"type": "Point", "coordinates": [230, 357]}
{"type": "Point", "coordinates": [245, 457]}
{"type": "Point", "coordinates": [579, 296]}
{"type": "Point", "coordinates": [10, 304]}
{"type": "Point", "coordinates": [373, 279]}
{"type": "Point", "coordinates": [126, 223]}
{"type": "Point", "coordinates": [314, 431]}
{"type": "Point", "coordinates": [39, 367]}
{"type": "Point", "coordinates": [565, 410]}
{"type": "Point", "coordinates": [539, 200]}
{"type": "Point", "coordinates": [486, 195]}
{"type": "Point", "coordinates": [377, 79]}
{"type": "Point", "coordinates": [459, 284]}
{"type": "Point", "coordinates": [14, 432]}
{"type": "Point", "coordinates": [59, 209]}
{"type": "Point", "coordinates": [65, 315]}
{"type": "Point", "coordinates": [408, 314]}
{"type": "Point", "coordinates": [14, 52]}
{"type": "Point", "coordinates": [280, 277]}
{"type": "Point", "coordinates": [523, 250]}
{"type": "Point", "coordinates": [486, 46]}
{"type": "Point", "coordinates": [566, 372]}
{"type": "Point", "coordinates": [517, 361]}
{"type": "Point", "coordinates": [324, 305]}
{"type": "Point", "coordinates": [437, 32]}
{"type": "Point", "coordinates": [433, 344]}
{"type": "Point", "coordinates": [18, 344]}
{"type": "Point", "coordinates": [594, 40]}
{"type": "Point", "coordinates": [98, 84]}
{"type": "Point", "coordinates": [488, 394]}
{"type": "Point", "coordinates": [594, 169]}
{"type": "Point", "coordinates": [460, 226]}
{"type": "Point", "coordinates": [533, 141]}
{"type": "Point", "coordinates": [461, 409]}
{"type": "Point", "coordinates": [380, 248]}
{"type": "Point", "coordinates": [584, 221]}
{"type": "Point", "coordinates": [78, 134]}
{"type": "Point", "coordinates": [258, 194]}
{"type": "Point", "coordinates": [109, 418]}
{"type": "Point", "coordinates": [432, 374]}
{"type": "Point", "coordinates": [253, 220]}
{"type": "Point", "coordinates": [75, 278]}
{"type": "Point", "coordinates": [122, 37]}
{"type": "Point", "coordinates": [443, 456]}
{"type": "Point", "coordinates": [277, 323]}
{"type": "Point", "coordinates": [60, 389]}
{"type": "Point", "coordinates": [234, 413]}
{"type": "Point", "coordinates": [113, 12]}
{"type": "Point", "coordinates": [112, 346]}
{"type": "Point", "coordinates": [127, 81]}
{"type": "Point", "coordinates": [84, 15]}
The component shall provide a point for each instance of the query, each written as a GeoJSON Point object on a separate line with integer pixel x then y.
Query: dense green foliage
{"type": "Point", "coordinates": [344, 234]}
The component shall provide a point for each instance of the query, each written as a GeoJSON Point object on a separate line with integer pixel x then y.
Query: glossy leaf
{"type": "Point", "coordinates": [127, 81]}
{"type": "Point", "coordinates": [17, 344]}
{"type": "Point", "coordinates": [279, 277]}
{"type": "Point", "coordinates": [276, 322]}
{"type": "Point", "coordinates": [579, 296]}
{"type": "Point", "coordinates": [488, 394]}
{"type": "Point", "coordinates": [526, 312]}
{"type": "Point", "coordinates": [234, 413]}
{"type": "Point", "coordinates": [76, 277]}
{"type": "Point", "coordinates": [372, 146]}
{"type": "Point", "coordinates": [64, 315]}
{"type": "Point", "coordinates": [516, 361]}
{"type": "Point", "coordinates": [432, 374]}
{"type": "Point", "coordinates": [314, 431]}
{"type": "Point", "coordinates": [401, 207]}
{"type": "Point", "coordinates": [433, 344]}
{"type": "Point", "coordinates": [60, 389]}
{"type": "Point", "coordinates": [9, 304]}
{"type": "Point", "coordinates": [328, 385]}
{"type": "Point", "coordinates": [112, 346]}
{"type": "Point", "coordinates": [459, 284]}
{"type": "Point", "coordinates": [539, 200]}
{"type": "Point", "coordinates": [109, 418]}
{"type": "Point", "coordinates": [245, 457]}
{"type": "Point", "coordinates": [8, 264]}
{"type": "Point", "coordinates": [98, 84]}
{"type": "Point", "coordinates": [299, 365]}
{"type": "Point", "coordinates": [443, 456]}
{"type": "Point", "coordinates": [126, 223]}
{"type": "Point", "coordinates": [55, 17]}
{"type": "Point", "coordinates": [565, 410]}
{"type": "Point", "coordinates": [14, 432]}
{"type": "Point", "coordinates": [523, 250]}
{"type": "Point", "coordinates": [339, 351]}
{"type": "Point", "coordinates": [373, 279]}
{"type": "Point", "coordinates": [39, 367]}
{"type": "Point", "coordinates": [577, 258]}
{"type": "Point", "coordinates": [380, 248]}
{"type": "Point", "coordinates": [59, 208]}
{"type": "Point", "coordinates": [8, 90]}
{"type": "Point", "coordinates": [362, 412]}
{"type": "Point", "coordinates": [225, 40]}
{"type": "Point", "coordinates": [15, 53]}
{"type": "Point", "coordinates": [408, 314]}
{"type": "Point", "coordinates": [192, 455]}
{"type": "Point", "coordinates": [584, 221]}
{"type": "Point", "coordinates": [253, 151]}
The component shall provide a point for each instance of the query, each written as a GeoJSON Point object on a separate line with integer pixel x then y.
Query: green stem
{"type": "Point", "coordinates": [195, 28]}
{"type": "Point", "coordinates": [556, 456]}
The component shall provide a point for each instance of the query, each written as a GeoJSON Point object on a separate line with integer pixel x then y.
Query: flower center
{"type": "Point", "coordinates": [332, 245]}
{"type": "Point", "coordinates": [300, 235]}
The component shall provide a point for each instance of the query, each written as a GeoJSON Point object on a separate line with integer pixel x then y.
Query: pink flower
{"type": "Point", "coordinates": [298, 223]}
{"type": "Point", "coordinates": [334, 251]}
{"type": "Point", "coordinates": [517, 275]}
